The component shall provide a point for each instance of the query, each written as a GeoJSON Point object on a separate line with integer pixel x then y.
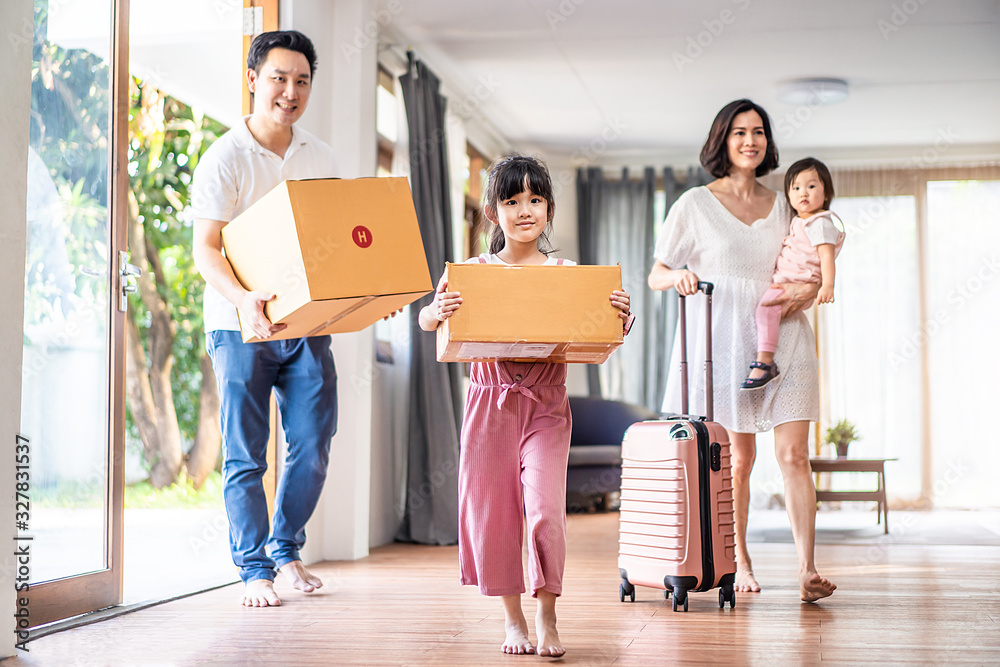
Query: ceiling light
{"type": "Point", "coordinates": [813, 92]}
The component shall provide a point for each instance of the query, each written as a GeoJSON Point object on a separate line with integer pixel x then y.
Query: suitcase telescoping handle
{"type": "Point", "coordinates": [707, 288]}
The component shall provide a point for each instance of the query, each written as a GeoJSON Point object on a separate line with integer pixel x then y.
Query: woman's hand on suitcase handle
{"type": "Point", "coordinates": [687, 282]}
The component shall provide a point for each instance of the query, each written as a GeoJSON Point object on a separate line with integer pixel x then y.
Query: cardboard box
{"type": "Point", "coordinates": [338, 254]}
{"type": "Point", "coordinates": [557, 314]}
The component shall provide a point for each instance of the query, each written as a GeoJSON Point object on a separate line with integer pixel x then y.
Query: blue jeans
{"type": "Point", "coordinates": [304, 379]}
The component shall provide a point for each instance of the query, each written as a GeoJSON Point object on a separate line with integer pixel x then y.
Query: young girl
{"type": "Point", "coordinates": [807, 256]}
{"type": "Point", "coordinates": [515, 436]}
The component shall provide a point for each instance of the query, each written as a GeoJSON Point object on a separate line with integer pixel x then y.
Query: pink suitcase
{"type": "Point", "coordinates": [678, 530]}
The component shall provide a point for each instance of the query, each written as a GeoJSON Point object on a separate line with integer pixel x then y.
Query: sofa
{"type": "Point", "coordinates": [594, 474]}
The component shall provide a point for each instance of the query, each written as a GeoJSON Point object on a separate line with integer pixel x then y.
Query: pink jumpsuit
{"type": "Point", "coordinates": [515, 445]}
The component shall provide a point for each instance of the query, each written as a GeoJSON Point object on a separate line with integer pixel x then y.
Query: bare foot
{"type": "Point", "coordinates": [299, 577]}
{"type": "Point", "coordinates": [260, 593]}
{"type": "Point", "coordinates": [745, 581]}
{"type": "Point", "coordinates": [517, 641]}
{"type": "Point", "coordinates": [549, 643]}
{"type": "Point", "coordinates": [813, 587]}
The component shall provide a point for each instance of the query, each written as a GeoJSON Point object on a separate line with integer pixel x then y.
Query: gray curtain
{"type": "Point", "coordinates": [431, 507]}
{"type": "Point", "coordinates": [617, 225]}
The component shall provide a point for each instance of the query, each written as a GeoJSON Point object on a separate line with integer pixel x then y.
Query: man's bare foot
{"type": "Point", "coordinates": [549, 643]}
{"type": "Point", "coordinates": [260, 593]}
{"type": "Point", "coordinates": [517, 641]}
{"type": "Point", "coordinates": [814, 587]}
{"type": "Point", "coordinates": [299, 577]}
{"type": "Point", "coordinates": [745, 581]}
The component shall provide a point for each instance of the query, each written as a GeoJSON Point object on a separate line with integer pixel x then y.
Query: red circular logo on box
{"type": "Point", "coordinates": [362, 236]}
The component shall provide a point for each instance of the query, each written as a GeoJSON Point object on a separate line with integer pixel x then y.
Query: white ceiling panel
{"type": "Point", "coordinates": [653, 73]}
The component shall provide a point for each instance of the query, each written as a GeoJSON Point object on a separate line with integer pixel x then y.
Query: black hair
{"type": "Point", "coordinates": [508, 177]}
{"type": "Point", "coordinates": [293, 40]}
{"type": "Point", "coordinates": [805, 164]}
{"type": "Point", "coordinates": [715, 152]}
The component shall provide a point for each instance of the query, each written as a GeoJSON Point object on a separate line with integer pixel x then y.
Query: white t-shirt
{"type": "Point", "coordinates": [234, 173]}
{"type": "Point", "coordinates": [493, 259]}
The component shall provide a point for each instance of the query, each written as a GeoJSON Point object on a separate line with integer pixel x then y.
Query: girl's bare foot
{"type": "Point", "coordinates": [814, 587]}
{"type": "Point", "coordinates": [549, 644]}
{"type": "Point", "coordinates": [299, 577]}
{"type": "Point", "coordinates": [745, 581]}
{"type": "Point", "coordinates": [517, 641]}
{"type": "Point", "coordinates": [260, 593]}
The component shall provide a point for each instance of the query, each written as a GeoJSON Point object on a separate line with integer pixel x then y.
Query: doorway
{"type": "Point", "coordinates": [72, 380]}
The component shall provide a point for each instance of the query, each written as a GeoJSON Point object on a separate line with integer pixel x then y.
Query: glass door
{"type": "Point", "coordinates": [72, 374]}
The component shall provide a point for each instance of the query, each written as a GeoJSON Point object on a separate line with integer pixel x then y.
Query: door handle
{"type": "Point", "coordinates": [127, 273]}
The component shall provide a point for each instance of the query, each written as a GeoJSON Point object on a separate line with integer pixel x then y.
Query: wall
{"type": "Point", "coordinates": [15, 81]}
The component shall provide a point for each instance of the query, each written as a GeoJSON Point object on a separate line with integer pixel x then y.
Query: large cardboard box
{"type": "Point", "coordinates": [338, 254]}
{"type": "Point", "coordinates": [558, 314]}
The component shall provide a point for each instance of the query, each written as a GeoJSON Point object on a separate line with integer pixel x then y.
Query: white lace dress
{"type": "Point", "coordinates": [703, 235]}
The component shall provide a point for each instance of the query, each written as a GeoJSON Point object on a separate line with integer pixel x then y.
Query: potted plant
{"type": "Point", "coordinates": [841, 435]}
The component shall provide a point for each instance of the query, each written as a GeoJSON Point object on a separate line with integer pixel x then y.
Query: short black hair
{"type": "Point", "coordinates": [805, 164]}
{"type": "Point", "coordinates": [509, 176]}
{"type": "Point", "coordinates": [293, 40]}
{"type": "Point", "coordinates": [715, 152]}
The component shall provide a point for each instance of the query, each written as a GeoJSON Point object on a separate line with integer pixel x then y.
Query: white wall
{"type": "Point", "coordinates": [15, 80]}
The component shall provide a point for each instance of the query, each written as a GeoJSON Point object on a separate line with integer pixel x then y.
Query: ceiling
{"type": "Point", "coordinates": [639, 81]}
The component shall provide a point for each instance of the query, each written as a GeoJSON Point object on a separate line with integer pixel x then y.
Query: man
{"type": "Point", "coordinates": [260, 152]}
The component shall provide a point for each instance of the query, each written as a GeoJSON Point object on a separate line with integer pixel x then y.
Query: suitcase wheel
{"type": "Point", "coordinates": [680, 599]}
{"type": "Point", "coordinates": [626, 589]}
{"type": "Point", "coordinates": [727, 594]}
{"type": "Point", "coordinates": [666, 593]}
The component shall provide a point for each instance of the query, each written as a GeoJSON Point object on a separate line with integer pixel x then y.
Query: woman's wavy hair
{"type": "Point", "coordinates": [715, 152]}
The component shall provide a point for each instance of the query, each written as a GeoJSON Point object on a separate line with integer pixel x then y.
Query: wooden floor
{"type": "Point", "coordinates": [897, 603]}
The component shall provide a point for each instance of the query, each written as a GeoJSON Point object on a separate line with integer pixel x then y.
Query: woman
{"type": "Point", "coordinates": [730, 233]}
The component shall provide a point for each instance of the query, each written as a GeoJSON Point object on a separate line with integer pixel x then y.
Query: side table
{"type": "Point", "coordinates": [856, 465]}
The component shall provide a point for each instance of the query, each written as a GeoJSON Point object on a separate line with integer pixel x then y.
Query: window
{"type": "Point", "coordinates": [907, 351]}
{"type": "Point", "coordinates": [386, 119]}
{"type": "Point", "coordinates": [387, 133]}
{"type": "Point", "coordinates": [962, 269]}
{"type": "Point", "coordinates": [863, 335]}
{"type": "Point", "coordinates": [476, 238]}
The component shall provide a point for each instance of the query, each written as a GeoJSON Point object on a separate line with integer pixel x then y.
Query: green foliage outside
{"type": "Point", "coordinates": [181, 495]}
{"type": "Point", "coordinates": [68, 132]}
{"type": "Point", "coordinates": [68, 129]}
{"type": "Point", "coordinates": [140, 495]}
{"type": "Point", "coordinates": [167, 138]}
